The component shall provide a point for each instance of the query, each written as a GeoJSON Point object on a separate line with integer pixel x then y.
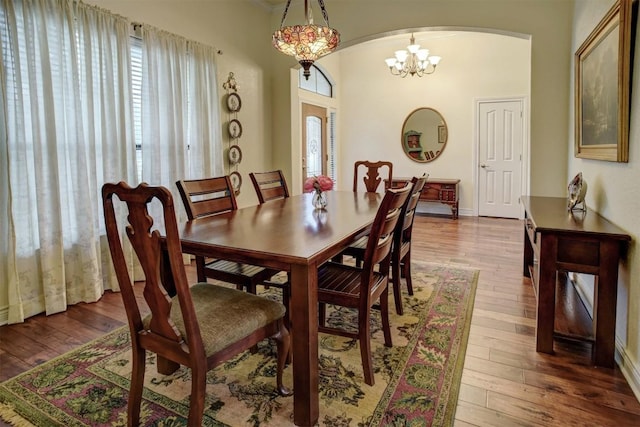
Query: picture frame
{"type": "Point", "coordinates": [442, 134]}
{"type": "Point", "coordinates": [602, 88]}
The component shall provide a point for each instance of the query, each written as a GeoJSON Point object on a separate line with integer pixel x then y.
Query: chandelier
{"type": "Point", "coordinates": [306, 42]}
{"type": "Point", "coordinates": [413, 61]}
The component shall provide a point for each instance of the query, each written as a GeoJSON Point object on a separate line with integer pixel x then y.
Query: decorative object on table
{"type": "Point", "coordinates": [577, 192]}
{"type": "Point", "coordinates": [235, 154]}
{"type": "Point", "coordinates": [417, 382]}
{"type": "Point", "coordinates": [602, 87]}
{"type": "Point", "coordinates": [413, 61]}
{"type": "Point", "coordinates": [318, 185]}
{"type": "Point", "coordinates": [306, 42]}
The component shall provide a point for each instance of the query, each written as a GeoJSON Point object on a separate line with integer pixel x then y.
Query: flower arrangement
{"type": "Point", "coordinates": [318, 184]}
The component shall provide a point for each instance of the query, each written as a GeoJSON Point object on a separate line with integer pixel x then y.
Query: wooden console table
{"type": "Point", "coordinates": [556, 240]}
{"type": "Point", "coordinates": [440, 190]}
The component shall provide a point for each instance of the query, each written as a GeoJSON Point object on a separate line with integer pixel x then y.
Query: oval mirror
{"type": "Point", "coordinates": [424, 135]}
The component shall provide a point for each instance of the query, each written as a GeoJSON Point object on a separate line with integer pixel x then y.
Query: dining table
{"type": "Point", "coordinates": [289, 235]}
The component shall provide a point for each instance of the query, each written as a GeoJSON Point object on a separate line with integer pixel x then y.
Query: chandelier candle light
{"type": "Point", "coordinates": [413, 61]}
{"type": "Point", "coordinates": [306, 42]}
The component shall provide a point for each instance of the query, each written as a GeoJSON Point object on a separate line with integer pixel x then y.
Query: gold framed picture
{"type": "Point", "coordinates": [602, 88]}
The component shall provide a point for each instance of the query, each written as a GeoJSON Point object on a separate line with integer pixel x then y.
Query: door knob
{"type": "Point", "coordinates": [483, 166]}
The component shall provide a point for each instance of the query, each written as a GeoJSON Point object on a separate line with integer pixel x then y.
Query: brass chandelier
{"type": "Point", "coordinates": [413, 61]}
{"type": "Point", "coordinates": [306, 42]}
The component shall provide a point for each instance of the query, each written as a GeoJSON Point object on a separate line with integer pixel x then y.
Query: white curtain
{"type": "Point", "coordinates": [67, 129]}
{"type": "Point", "coordinates": [181, 136]}
{"type": "Point", "coordinates": [67, 126]}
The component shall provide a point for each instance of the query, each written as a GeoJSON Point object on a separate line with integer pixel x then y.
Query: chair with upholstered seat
{"type": "Point", "coordinates": [360, 288]}
{"type": "Point", "coordinates": [269, 185]}
{"type": "Point", "coordinates": [202, 325]}
{"type": "Point", "coordinates": [372, 178]}
{"type": "Point", "coordinates": [401, 252]}
{"type": "Point", "coordinates": [212, 196]}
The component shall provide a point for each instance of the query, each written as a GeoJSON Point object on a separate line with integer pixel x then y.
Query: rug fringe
{"type": "Point", "coordinates": [9, 415]}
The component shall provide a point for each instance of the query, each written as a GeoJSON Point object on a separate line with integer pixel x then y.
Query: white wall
{"type": "Point", "coordinates": [374, 103]}
{"type": "Point", "coordinates": [613, 192]}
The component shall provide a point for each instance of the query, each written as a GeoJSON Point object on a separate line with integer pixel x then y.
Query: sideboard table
{"type": "Point", "coordinates": [440, 190]}
{"type": "Point", "coordinates": [556, 239]}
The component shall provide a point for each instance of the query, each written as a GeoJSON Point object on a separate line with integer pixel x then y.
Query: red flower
{"type": "Point", "coordinates": [318, 183]}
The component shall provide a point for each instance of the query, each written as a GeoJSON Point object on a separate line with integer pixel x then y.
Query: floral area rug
{"type": "Point", "coordinates": [416, 381]}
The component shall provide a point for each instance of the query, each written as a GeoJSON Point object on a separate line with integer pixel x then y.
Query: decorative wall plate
{"type": "Point", "coordinates": [234, 103]}
{"type": "Point", "coordinates": [236, 181]}
{"type": "Point", "coordinates": [235, 128]}
{"type": "Point", "coordinates": [235, 154]}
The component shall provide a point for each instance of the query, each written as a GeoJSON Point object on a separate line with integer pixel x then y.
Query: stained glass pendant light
{"type": "Point", "coordinates": [306, 42]}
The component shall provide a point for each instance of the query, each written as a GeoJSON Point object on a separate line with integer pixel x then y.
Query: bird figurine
{"type": "Point", "coordinates": [577, 192]}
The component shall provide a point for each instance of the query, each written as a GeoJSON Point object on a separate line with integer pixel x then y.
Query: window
{"type": "Point", "coordinates": [317, 83]}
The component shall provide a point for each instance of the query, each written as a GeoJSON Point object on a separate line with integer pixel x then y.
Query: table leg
{"type": "Point", "coordinates": [605, 305]}
{"type": "Point", "coordinates": [545, 318]}
{"type": "Point", "coordinates": [304, 318]}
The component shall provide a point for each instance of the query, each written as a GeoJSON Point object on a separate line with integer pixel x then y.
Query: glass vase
{"type": "Point", "coordinates": [319, 200]}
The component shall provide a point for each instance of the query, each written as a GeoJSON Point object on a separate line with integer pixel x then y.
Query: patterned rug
{"type": "Point", "coordinates": [416, 381]}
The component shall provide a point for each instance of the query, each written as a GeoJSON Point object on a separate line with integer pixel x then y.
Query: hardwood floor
{"type": "Point", "coordinates": [504, 383]}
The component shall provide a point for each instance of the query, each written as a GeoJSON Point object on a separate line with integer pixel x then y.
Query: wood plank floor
{"type": "Point", "coordinates": [505, 382]}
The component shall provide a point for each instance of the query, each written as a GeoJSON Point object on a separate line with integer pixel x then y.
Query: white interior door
{"type": "Point", "coordinates": [500, 158]}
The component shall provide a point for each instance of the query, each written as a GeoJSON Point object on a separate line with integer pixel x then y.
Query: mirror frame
{"type": "Point", "coordinates": [440, 135]}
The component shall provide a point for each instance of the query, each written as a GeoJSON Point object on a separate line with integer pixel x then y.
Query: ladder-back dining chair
{"type": "Point", "coordinates": [269, 185]}
{"type": "Point", "coordinates": [212, 196]}
{"type": "Point", "coordinates": [401, 252]}
{"type": "Point", "coordinates": [372, 178]}
{"type": "Point", "coordinates": [360, 288]}
{"type": "Point", "coordinates": [202, 325]}
{"type": "Point", "coordinates": [273, 186]}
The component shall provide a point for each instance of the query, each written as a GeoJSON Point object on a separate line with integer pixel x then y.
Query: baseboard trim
{"type": "Point", "coordinates": [629, 370]}
{"type": "Point", "coordinates": [4, 315]}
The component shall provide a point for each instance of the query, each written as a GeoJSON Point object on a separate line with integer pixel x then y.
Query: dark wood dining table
{"type": "Point", "coordinates": [289, 235]}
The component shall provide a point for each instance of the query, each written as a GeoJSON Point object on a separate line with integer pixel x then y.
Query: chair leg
{"type": "Point", "coordinates": [397, 293]}
{"type": "Point", "coordinates": [322, 314]}
{"type": "Point", "coordinates": [198, 392]}
{"type": "Point", "coordinates": [200, 269]}
{"type": "Point", "coordinates": [365, 348]}
{"type": "Point", "coordinates": [384, 312]}
{"type": "Point", "coordinates": [407, 272]}
{"type": "Point", "coordinates": [287, 321]}
{"type": "Point", "coordinates": [283, 342]}
{"type": "Point", "coordinates": [137, 384]}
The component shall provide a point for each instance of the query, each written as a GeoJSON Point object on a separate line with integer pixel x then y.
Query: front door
{"type": "Point", "coordinates": [500, 158]}
{"type": "Point", "coordinates": [314, 141]}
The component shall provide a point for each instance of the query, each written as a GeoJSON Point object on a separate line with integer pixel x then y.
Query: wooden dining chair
{"type": "Point", "coordinates": [269, 185]}
{"type": "Point", "coordinates": [202, 325]}
{"type": "Point", "coordinates": [401, 252]}
{"type": "Point", "coordinates": [211, 196]}
{"type": "Point", "coordinates": [372, 178]}
{"type": "Point", "coordinates": [360, 288]}
{"type": "Point", "coordinates": [273, 186]}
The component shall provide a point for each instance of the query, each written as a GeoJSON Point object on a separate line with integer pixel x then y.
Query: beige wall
{"type": "Point", "coordinates": [240, 29]}
{"type": "Point", "coordinates": [613, 192]}
{"type": "Point", "coordinates": [548, 22]}
{"type": "Point", "coordinates": [374, 104]}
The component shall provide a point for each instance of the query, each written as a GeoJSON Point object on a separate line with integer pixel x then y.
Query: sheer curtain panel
{"type": "Point", "coordinates": [67, 129]}
{"type": "Point", "coordinates": [181, 136]}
